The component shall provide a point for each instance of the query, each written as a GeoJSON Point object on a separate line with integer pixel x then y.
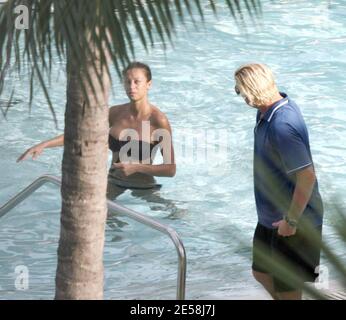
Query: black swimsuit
{"type": "Point", "coordinates": [144, 148]}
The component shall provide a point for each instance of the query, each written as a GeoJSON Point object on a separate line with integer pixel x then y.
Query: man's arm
{"type": "Point", "coordinates": [305, 182]}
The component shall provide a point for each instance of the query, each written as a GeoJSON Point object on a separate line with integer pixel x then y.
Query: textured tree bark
{"type": "Point", "coordinates": [84, 183]}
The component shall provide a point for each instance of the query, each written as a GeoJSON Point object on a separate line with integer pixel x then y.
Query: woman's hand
{"type": "Point", "coordinates": [34, 151]}
{"type": "Point", "coordinates": [126, 168]}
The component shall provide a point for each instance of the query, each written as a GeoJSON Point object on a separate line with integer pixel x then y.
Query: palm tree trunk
{"type": "Point", "coordinates": [84, 182]}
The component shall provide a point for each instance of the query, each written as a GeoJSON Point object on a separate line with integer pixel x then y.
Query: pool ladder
{"type": "Point", "coordinates": [117, 209]}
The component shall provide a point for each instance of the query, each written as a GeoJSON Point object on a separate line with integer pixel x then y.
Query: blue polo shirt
{"type": "Point", "coordinates": [281, 149]}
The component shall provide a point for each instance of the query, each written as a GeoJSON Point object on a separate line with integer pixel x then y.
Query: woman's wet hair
{"type": "Point", "coordinates": [256, 82]}
{"type": "Point", "coordinates": [138, 65]}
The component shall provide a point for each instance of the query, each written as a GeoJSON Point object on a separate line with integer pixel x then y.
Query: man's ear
{"type": "Point", "coordinates": [149, 84]}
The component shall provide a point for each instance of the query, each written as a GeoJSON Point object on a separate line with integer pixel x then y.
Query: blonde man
{"type": "Point", "coordinates": [286, 189]}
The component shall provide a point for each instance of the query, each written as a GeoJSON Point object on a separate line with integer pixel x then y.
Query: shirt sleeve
{"type": "Point", "coordinates": [293, 151]}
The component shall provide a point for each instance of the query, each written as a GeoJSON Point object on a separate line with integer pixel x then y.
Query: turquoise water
{"type": "Point", "coordinates": [304, 43]}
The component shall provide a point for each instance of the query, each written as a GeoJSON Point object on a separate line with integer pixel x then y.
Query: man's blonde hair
{"type": "Point", "coordinates": [256, 82]}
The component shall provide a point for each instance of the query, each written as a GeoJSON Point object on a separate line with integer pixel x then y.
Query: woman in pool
{"type": "Point", "coordinates": [137, 130]}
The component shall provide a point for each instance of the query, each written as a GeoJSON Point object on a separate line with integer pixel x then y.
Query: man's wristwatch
{"type": "Point", "coordinates": [291, 222]}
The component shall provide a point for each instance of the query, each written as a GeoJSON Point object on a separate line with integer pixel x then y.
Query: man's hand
{"type": "Point", "coordinates": [284, 229]}
{"type": "Point", "coordinates": [34, 151]}
{"type": "Point", "coordinates": [126, 168]}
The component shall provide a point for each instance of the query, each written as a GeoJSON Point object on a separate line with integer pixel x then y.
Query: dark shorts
{"type": "Point", "coordinates": [297, 253]}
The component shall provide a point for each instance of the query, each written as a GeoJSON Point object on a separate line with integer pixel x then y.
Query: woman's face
{"type": "Point", "coordinates": [136, 84]}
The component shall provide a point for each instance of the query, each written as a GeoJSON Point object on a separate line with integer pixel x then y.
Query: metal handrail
{"type": "Point", "coordinates": [114, 208]}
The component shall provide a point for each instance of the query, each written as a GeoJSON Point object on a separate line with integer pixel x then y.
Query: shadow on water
{"type": "Point", "coordinates": [5, 105]}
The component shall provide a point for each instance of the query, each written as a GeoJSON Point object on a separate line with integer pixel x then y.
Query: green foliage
{"type": "Point", "coordinates": [76, 26]}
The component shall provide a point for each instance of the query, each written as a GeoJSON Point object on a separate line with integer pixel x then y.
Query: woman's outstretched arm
{"type": "Point", "coordinates": [37, 149]}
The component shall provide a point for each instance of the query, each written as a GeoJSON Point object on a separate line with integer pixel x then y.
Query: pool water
{"type": "Point", "coordinates": [213, 208]}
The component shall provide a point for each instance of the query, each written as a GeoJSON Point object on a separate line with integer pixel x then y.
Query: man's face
{"type": "Point", "coordinates": [239, 92]}
{"type": "Point", "coordinates": [136, 84]}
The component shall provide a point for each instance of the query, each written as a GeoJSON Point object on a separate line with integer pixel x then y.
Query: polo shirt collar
{"type": "Point", "coordinates": [277, 105]}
